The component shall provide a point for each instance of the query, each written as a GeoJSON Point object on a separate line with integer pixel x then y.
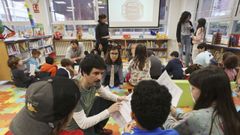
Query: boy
{"type": "Point", "coordinates": [150, 105]}
{"type": "Point", "coordinates": [34, 60]}
{"type": "Point", "coordinates": [204, 56]}
{"type": "Point", "coordinates": [49, 67]}
{"type": "Point", "coordinates": [174, 66]}
{"type": "Point", "coordinates": [66, 69]}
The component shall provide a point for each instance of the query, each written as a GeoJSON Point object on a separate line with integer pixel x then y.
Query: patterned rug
{"type": "Point", "coordinates": [12, 100]}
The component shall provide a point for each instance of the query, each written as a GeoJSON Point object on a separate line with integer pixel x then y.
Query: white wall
{"type": "Point", "coordinates": [176, 7]}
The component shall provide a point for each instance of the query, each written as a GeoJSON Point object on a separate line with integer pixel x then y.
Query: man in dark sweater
{"type": "Point", "coordinates": [102, 34]}
{"type": "Point", "coordinates": [174, 66]}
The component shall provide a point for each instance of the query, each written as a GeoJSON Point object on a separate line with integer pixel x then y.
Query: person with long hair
{"type": "Point", "coordinates": [139, 66]}
{"type": "Point", "coordinates": [199, 36]}
{"type": "Point", "coordinates": [113, 75]}
{"type": "Point", "coordinates": [214, 112]}
{"type": "Point", "coordinates": [184, 32]}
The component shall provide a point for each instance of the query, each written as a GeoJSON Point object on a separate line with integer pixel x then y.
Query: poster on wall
{"type": "Point", "coordinates": [36, 8]}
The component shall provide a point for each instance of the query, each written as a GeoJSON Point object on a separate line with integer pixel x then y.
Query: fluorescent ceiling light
{"type": "Point", "coordinates": [100, 2]}
{"type": "Point", "coordinates": [101, 7]}
{"type": "Point", "coordinates": [69, 10]}
{"type": "Point", "coordinates": [60, 2]}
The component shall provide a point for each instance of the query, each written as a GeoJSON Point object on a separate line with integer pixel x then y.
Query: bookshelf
{"type": "Point", "coordinates": [159, 46]}
{"type": "Point", "coordinates": [22, 47]}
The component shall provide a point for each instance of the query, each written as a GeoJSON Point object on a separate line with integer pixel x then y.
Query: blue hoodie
{"type": "Point", "coordinates": [158, 131]}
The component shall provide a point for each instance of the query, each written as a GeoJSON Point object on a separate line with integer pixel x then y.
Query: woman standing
{"type": "Point", "coordinates": [198, 37]}
{"type": "Point", "coordinates": [184, 31]}
{"type": "Point", "coordinates": [102, 34]}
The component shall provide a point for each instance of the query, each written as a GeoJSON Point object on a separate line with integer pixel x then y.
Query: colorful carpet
{"type": "Point", "coordinates": [12, 100]}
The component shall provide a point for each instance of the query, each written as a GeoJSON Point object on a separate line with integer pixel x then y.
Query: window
{"type": "Point", "coordinates": [236, 27]}
{"type": "Point", "coordinates": [16, 10]}
{"type": "Point", "coordinates": [102, 7]}
{"type": "Point", "coordinates": [68, 10]}
{"type": "Point", "coordinates": [215, 8]}
{"type": "Point", "coordinates": [222, 27]}
{"type": "Point", "coordinates": [3, 16]}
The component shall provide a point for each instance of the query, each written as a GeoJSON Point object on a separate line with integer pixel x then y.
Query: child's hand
{"type": "Point", "coordinates": [173, 111]}
{"type": "Point", "coordinates": [120, 86]}
{"type": "Point", "coordinates": [128, 128]}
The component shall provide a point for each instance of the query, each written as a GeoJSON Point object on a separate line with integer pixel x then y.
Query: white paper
{"type": "Point", "coordinates": [174, 90]}
{"type": "Point", "coordinates": [124, 115]}
{"type": "Point", "coordinates": [32, 69]}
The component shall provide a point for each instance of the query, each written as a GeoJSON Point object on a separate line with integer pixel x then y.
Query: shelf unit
{"type": "Point", "coordinates": [22, 47]}
{"type": "Point", "coordinates": [218, 50]}
{"type": "Point", "coordinates": [160, 46]}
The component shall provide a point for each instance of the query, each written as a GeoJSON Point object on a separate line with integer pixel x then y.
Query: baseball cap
{"type": "Point", "coordinates": [47, 102]}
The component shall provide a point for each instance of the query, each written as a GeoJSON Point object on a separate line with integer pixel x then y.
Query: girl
{"type": "Point", "coordinates": [139, 66]}
{"type": "Point", "coordinates": [214, 111]}
{"type": "Point", "coordinates": [114, 68]}
{"type": "Point", "coordinates": [198, 36]}
{"type": "Point", "coordinates": [184, 31]}
{"type": "Point", "coordinates": [20, 78]}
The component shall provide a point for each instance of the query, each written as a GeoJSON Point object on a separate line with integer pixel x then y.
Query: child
{"type": "Point", "coordinates": [214, 110]}
{"type": "Point", "coordinates": [230, 64]}
{"type": "Point", "coordinates": [174, 66]}
{"type": "Point", "coordinates": [156, 65]}
{"type": "Point", "coordinates": [64, 71]}
{"type": "Point", "coordinates": [49, 67]}
{"type": "Point", "coordinates": [150, 105]}
{"type": "Point", "coordinates": [198, 36]}
{"type": "Point", "coordinates": [49, 106]}
{"type": "Point", "coordinates": [184, 32]}
{"type": "Point", "coordinates": [139, 66]}
{"type": "Point", "coordinates": [34, 60]}
{"type": "Point", "coordinates": [20, 78]}
{"type": "Point", "coordinates": [113, 75]}
{"type": "Point", "coordinates": [204, 57]}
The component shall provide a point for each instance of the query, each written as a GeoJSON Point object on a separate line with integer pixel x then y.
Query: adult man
{"type": "Point", "coordinates": [92, 110]}
{"type": "Point", "coordinates": [75, 52]}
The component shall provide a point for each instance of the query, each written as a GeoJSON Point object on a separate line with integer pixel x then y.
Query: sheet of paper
{"type": "Point", "coordinates": [32, 69]}
{"type": "Point", "coordinates": [124, 115]}
{"type": "Point", "coordinates": [174, 90]}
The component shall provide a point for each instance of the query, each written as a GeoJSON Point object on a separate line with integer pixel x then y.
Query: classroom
{"type": "Point", "coordinates": [119, 67]}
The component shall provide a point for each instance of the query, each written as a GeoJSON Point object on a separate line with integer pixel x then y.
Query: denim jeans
{"type": "Point", "coordinates": [185, 49]}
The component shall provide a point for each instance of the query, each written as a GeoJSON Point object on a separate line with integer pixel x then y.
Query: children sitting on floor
{"type": "Point", "coordinates": [113, 75]}
{"type": "Point", "coordinates": [139, 66]}
{"type": "Point", "coordinates": [20, 78]}
{"type": "Point", "coordinates": [48, 108]}
{"type": "Point", "coordinates": [49, 67]}
{"type": "Point", "coordinates": [150, 105]}
{"type": "Point", "coordinates": [66, 69]}
{"type": "Point", "coordinates": [174, 66]}
{"type": "Point", "coordinates": [204, 57]}
{"type": "Point", "coordinates": [214, 112]}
